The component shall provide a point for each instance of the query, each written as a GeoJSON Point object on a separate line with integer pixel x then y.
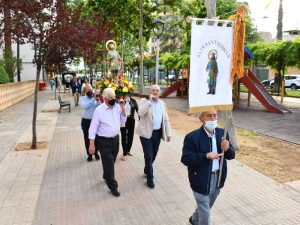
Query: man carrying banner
{"type": "Point", "coordinates": [201, 152]}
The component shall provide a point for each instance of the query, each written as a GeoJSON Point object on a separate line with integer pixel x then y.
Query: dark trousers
{"type": "Point", "coordinates": [127, 133]}
{"type": "Point", "coordinates": [85, 125]}
{"type": "Point", "coordinates": [150, 148]}
{"type": "Point", "coordinates": [109, 149]}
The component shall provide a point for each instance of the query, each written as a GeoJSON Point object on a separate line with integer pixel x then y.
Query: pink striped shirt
{"type": "Point", "coordinates": [106, 121]}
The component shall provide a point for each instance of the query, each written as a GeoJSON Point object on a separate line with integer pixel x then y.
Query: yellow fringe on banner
{"type": "Point", "coordinates": [238, 43]}
{"type": "Point", "coordinates": [209, 108]}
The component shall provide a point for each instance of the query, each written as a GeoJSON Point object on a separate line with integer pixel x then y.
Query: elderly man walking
{"type": "Point", "coordinates": [201, 152]}
{"type": "Point", "coordinates": [153, 126]}
{"type": "Point", "coordinates": [104, 133]}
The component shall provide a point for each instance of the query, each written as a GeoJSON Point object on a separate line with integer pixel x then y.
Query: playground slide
{"type": "Point", "coordinates": [171, 89]}
{"type": "Point", "coordinates": [258, 90]}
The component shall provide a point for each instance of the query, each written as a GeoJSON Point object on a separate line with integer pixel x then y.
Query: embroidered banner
{"type": "Point", "coordinates": [210, 65]}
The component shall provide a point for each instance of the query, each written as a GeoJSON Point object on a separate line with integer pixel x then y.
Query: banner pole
{"type": "Point", "coordinates": [222, 156]}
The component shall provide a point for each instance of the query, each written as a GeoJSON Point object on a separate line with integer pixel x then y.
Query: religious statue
{"type": "Point", "coordinates": [212, 68]}
{"type": "Point", "coordinates": [113, 59]}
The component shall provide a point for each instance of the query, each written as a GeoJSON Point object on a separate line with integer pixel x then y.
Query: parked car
{"type": "Point", "coordinates": [266, 83]}
{"type": "Point", "coordinates": [290, 81]}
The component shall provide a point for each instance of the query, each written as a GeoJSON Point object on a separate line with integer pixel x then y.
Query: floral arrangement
{"type": "Point", "coordinates": [122, 86]}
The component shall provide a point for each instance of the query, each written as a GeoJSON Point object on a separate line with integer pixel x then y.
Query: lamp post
{"type": "Point", "coordinates": [158, 29]}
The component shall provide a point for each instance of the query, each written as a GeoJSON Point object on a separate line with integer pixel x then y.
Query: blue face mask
{"type": "Point", "coordinates": [211, 125]}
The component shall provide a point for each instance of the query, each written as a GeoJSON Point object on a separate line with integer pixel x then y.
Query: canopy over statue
{"type": "Point", "coordinates": [114, 60]}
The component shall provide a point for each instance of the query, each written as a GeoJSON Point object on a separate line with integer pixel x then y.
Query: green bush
{"type": "Point", "coordinates": [3, 75]}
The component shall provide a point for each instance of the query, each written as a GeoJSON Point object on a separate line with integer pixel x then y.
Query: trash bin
{"type": "Point", "coordinates": [42, 86]}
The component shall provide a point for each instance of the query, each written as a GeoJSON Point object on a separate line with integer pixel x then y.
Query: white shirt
{"type": "Point", "coordinates": [157, 115]}
{"type": "Point", "coordinates": [215, 163]}
{"type": "Point", "coordinates": [127, 107]}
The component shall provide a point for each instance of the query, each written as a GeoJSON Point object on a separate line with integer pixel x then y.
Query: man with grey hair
{"type": "Point", "coordinates": [153, 126]}
{"type": "Point", "coordinates": [104, 133]}
{"type": "Point", "coordinates": [201, 153]}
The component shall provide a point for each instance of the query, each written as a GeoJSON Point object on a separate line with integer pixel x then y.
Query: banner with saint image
{"type": "Point", "coordinates": [210, 65]}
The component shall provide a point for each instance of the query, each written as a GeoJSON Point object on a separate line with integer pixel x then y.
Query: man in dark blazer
{"type": "Point", "coordinates": [201, 154]}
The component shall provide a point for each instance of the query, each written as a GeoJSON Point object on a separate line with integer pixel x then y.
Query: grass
{"type": "Point", "coordinates": [289, 93]}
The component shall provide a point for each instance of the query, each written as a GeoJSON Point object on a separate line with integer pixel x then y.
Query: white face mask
{"type": "Point", "coordinates": [211, 125]}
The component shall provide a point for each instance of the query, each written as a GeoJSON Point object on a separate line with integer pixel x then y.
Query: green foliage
{"type": "Point", "coordinates": [294, 51]}
{"type": "Point", "coordinates": [170, 60]}
{"type": "Point", "coordinates": [183, 61]}
{"type": "Point", "coordinates": [9, 65]}
{"type": "Point", "coordinates": [149, 63]}
{"type": "Point", "coordinates": [252, 36]}
{"type": "Point", "coordinates": [277, 55]}
{"type": "Point", "coordinates": [3, 75]}
{"type": "Point", "coordinates": [175, 60]}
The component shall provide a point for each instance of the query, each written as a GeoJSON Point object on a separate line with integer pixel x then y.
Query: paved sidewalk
{"type": "Point", "coordinates": [58, 186]}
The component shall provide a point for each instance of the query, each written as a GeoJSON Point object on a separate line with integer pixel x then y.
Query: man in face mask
{"type": "Point", "coordinates": [201, 153]}
{"type": "Point", "coordinates": [104, 133]}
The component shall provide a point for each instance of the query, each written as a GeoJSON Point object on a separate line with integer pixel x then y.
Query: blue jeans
{"type": "Point", "coordinates": [201, 215]}
{"type": "Point", "coordinates": [150, 148]}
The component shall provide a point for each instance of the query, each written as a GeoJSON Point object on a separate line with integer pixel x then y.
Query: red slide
{"type": "Point", "coordinates": [258, 90]}
{"type": "Point", "coordinates": [171, 89]}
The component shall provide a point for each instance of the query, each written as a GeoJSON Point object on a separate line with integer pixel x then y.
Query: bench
{"type": "Point", "coordinates": [63, 104]}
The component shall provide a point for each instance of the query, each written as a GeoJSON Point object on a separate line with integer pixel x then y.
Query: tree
{"type": "Point", "coordinates": [210, 8]}
{"type": "Point", "coordinates": [294, 51]}
{"type": "Point", "coordinates": [141, 51]}
{"type": "Point", "coordinates": [54, 29]}
{"type": "Point", "coordinates": [279, 25]}
{"type": "Point", "coordinates": [3, 75]}
{"type": "Point", "coordinates": [278, 55]}
{"type": "Point", "coordinates": [8, 55]}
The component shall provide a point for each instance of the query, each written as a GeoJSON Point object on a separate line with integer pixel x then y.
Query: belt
{"type": "Point", "coordinates": [215, 172]}
{"type": "Point", "coordinates": [109, 138]}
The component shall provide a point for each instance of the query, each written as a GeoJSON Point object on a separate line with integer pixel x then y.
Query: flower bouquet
{"type": "Point", "coordinates": [121, 86]}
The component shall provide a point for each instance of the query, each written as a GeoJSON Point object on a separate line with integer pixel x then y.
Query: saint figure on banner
{"type": "Point", "coordinates": [113, 58]}
{"type": "Point", "coordinates": [212, 68]}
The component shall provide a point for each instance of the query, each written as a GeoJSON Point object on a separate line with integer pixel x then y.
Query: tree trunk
{"type": "Point", "coordinates": [37, 78]}
{"type": "Point", "coordinates": [279, 25]}
{"type": "Point", "coordinates": [210, 6]}
{"type": "Point", "coordinates": [141, 48]}
{"type": "Point", "coordinates": [8, 55]}
{"type": "Point", "coordinates": [122, 50]}
{"type": "Point", "coordinates": [18, 60]}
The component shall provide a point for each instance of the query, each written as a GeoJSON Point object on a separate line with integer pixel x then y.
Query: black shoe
{"type": "Point", "coordinates": [97, 156]}
{"type": "Point", "coordinates": [150, 184]}
{"type": "Point", "coordinates": [89, 158]}
{"type": "Point", "coordinates": [191, 220]}
{"type": "Point", "coordinates": [115, 192]}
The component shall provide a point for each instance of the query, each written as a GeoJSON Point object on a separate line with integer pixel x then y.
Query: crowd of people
{"type": "Point", "coordinates": [75, 84]}
{"type": "Point", "coordinates": [104, 117]}
{"type": "Point", "coordinates": [103, 121]}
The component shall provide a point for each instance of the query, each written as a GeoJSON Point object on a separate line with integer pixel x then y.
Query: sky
{"type": "Point", "coordinates": [265, 14]}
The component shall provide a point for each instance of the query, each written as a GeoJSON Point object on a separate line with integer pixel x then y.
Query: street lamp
{"type": "Point", "coordinates": [158, 29]}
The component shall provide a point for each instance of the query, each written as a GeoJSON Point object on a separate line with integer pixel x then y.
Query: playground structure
{"type": "Point", "coordinates": [250, 81]}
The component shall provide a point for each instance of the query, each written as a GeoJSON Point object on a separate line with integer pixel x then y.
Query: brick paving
{"type": "Point", "coordinates": [58, 186]}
